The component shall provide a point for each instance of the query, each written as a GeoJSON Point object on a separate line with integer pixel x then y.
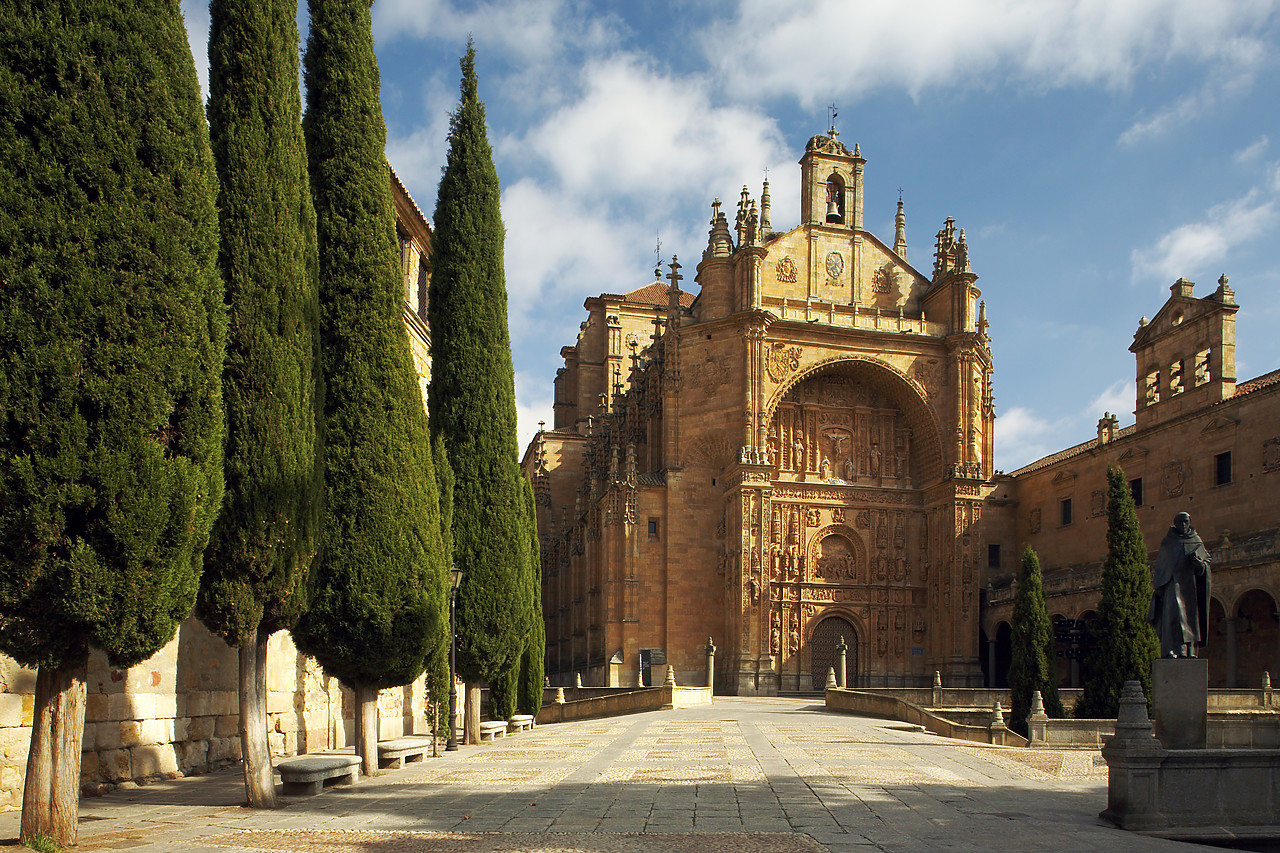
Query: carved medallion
{"type": "Point", "coordinates": [1035, 521]}
{"type": "Point", "coordinates": [1271, 454]}
{"type": "Point", "coordinates": [835, 264]}
{"type": "Point", "coordinates": [786, 270]}
{"type": "Point", "coordinates": [884, 279]}
{"type": "Point", "coordinates": [781, 361]}
{"type": "Point", "coordinates": [1097, 503]}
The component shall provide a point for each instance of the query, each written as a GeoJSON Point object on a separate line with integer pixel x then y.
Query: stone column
{"type": "Point", "coordinates": [711, 665]}
{"type": "Point", "coordinates": [1230, 624]}
{"type": "Point", "coordinates": [842, 650]}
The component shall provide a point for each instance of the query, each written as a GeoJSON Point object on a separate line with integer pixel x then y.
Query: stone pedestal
{"type": "Point", "coordinates": [1180, 702]}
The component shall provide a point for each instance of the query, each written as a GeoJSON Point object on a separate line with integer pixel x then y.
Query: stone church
{"type": "Point", "coordinates": [796, 452]}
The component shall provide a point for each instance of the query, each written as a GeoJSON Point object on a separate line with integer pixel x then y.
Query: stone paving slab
{"type": "Point", "coordinates": [741, 775]}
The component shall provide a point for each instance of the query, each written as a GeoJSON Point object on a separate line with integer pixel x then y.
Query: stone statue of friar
{"type": "Point", "coordinates": [1180, 591]}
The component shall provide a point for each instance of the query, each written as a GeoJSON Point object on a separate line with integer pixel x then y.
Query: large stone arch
{"type": "Point", "coordinates": [904, 391]}
{"type": "Point", "coordinates": [813, 549]}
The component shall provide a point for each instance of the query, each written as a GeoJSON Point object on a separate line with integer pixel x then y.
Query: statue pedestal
{"type": "Point", "coordinates": [1180, 702]}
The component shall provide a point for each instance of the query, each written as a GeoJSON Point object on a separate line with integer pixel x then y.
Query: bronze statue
{"type": "Point", "coordinates": [1180, 596]}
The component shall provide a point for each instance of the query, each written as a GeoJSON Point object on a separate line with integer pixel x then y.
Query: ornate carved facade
{"type": "Point", "coordinates": [799, 452]}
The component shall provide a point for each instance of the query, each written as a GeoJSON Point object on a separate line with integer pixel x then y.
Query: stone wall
{"type": "Point", "coordinates": [176, 714]}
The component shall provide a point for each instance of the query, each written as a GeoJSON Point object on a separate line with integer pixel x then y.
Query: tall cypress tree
{"type": "Point", "coordinates": [532, 662]}
{"type": "Point", "coordinates": [377, 588]}
{"type": "Point", "coordinates": [112, 332]}
{"type": "Point", "coordinates": [1032, 666]}
{"type": "Point", "coordinates": [265, 538]}
{"type": "Point", "coordinates": [1125, 644]}
{"type": "Point", "coordinates": [472, 399]}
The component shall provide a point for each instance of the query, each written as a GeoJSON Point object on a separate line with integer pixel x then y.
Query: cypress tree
{"type": "Point", "coordinates": [437, 669]}
{"type": "Point", "coordinates": [532, 670]}
{"type": "Point", "coordinates": [265, 538]}
{"type": "Point", "coordinates": [1125, 644]}
{"type": "Point", "coordinates": [1032, 666]}
{"type": "Point", "coordinates": [112, 333]}
{"type": "Point", "coordinates": [376, 590]}
{"type": "Point", "coordinates": [472, 400]}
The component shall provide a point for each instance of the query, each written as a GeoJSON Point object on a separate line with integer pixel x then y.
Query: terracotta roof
{"type": "Point", "coordinates": [1266, 380]}
{"type": "Point", "coordinates": [395, 177]}
{"type": "Point", "coordinates": [656, 294]}
{"type": "Point", "coordinates": [1054, 458]}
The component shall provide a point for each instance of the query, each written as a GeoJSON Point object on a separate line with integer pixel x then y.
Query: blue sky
{"type": "Point", "coordinates": [1094, 151]}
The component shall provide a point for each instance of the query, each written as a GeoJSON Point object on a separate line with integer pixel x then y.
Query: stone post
{"type": "Point", "coordinates": [842, 662]}
{"type": "Point", "coordinates": [1133, 758]}
{"type": "Point", "coordinates": [671, 675]}
{"type": "Point", "coordinates": [711, 665]}
{"type": "Point", "coordinates": [831, 678]}
{"type": "Point", "coordinates": [639, 676]}
{"type": "Point", "coordinates": [937, 689]}
{"type": "Point", "coordinates": [559, 695]}
{"type": "Point", "coordinates": [1266, 689]}
{"type": "Point", "coordinates": [997, 731]}
{"type": "Point", "coordinates": [577, 680]}
{"type": "Point", "coordinates": [1037, 722]}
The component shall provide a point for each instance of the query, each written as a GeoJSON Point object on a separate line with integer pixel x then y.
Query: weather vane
{"type": "Point", "coordinates": [657, 256]}
{"type": "Point", "coordinates": [833, 113]}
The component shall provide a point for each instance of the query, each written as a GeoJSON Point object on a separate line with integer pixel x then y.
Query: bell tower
{"type": "Point", "coordinates": [831, 183]}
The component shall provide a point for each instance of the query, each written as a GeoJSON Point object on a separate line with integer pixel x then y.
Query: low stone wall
{"type": "Point", "coordinates": [177, 713]}
{"type": "Point", "coordinates": [616, 703]}
{"type": "Point", "coordinates": [1236, 729]}
{"type": "Point", "coordinates": [887, 706]}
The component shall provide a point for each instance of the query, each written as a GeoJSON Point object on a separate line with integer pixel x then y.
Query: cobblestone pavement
{"type": "Point", "coordinates": [742, 775]}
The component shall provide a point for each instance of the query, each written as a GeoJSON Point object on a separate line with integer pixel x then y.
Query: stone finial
{"type": "Point", "coordinates": [1133, 726]}
{"type": "Point", "coordinates": [671, 676]}
{"type": "Point", "coordinates": [841, 645]}
{"type": "Point", "coordinates": [559, 695]}
{"type": "Point", "coordinates": [997, 714]}
{"type": "Point", "coordinates": [1266, 680]}
{"type": "Point", "coordinates": [577, 676]}
{"type": "Point", "coordinates": [937, 680]}
{"type": "Point", "coordinates": [640, 678]}
{"type": "Point", "coordinates": [831, 678]}
{"type": "Point", "coordinates": [1037, 703]}
{"type": "Point", "coordinates": [900, 231]}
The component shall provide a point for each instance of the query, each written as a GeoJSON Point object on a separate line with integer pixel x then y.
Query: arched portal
{"type": "Point", "coordinates": [1257, 639]}
{"type": "Point", "coordinates": [823, 655]}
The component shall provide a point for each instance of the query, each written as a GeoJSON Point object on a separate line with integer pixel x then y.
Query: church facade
{"type": "Point", "coordinates": [797, 455]}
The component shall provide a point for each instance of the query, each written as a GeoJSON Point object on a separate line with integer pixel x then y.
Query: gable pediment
{"type": "Point", "coordinates": [1132, 456]}
{"type": "Point", "coordinates": [1063, 477]}
{"type": "Point", "coordinates": [1218, 423]}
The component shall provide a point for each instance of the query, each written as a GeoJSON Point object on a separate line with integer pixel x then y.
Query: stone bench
{"type": "Point", "coordinates": [307, 774]}
{"type": "Point", "coordinates": [400, 751]}
{"type": "Point", "coordinates": [490, 729]}
{"type": "Point", "coordinates": [520, 722]}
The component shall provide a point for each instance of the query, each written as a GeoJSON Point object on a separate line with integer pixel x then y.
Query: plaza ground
{"type": "Point", "coordinates": [741, 775]}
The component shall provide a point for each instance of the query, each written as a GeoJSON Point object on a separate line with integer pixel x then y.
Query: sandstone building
{"type": "Point", "coordinates": [1202, 443]}
{"type": "Point", "coordinates": [800, 452]}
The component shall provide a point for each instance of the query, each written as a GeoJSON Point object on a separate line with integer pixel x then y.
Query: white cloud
{"type": "Point", "coordinates": [1022, 437]}
{"type": "Point", "coordinates": [1190, 249]}
{"type": "Point", "coordinates": [1118, 398]}
{"type": "Point", "coordinates": [1253, 150]}
{"type": "Point", "coordinates": [775, 48]}
{"type": "Point", "coordinates": [1233, 78]}
{"type": "Point", "coordinates": [644, 137]}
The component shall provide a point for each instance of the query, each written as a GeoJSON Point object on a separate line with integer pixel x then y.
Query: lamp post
{"type": "Point", "coordinates": [455, 578]}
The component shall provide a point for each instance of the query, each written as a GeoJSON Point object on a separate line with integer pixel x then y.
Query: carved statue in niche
{"type": "Point", "coordinates": [850, 468]}
{"type": "Point", "coordinates": [863, 520]}
{"type": "Point", "coordinates": [875, 460]}
{"type": "Point", "coordinates": [795, 634]}
{"type": "Point", "coordinates": [837, 515]}
{"type": "Point", "coordinates": [797, 453]}
{"type": "Point", "coordinates": [837, 560]}
{"type": "Point", "coordinates": [775, 637]}
{"type": "Point", "coordinates": [825, 470]}
{"type": "Point", "coordinates": [775, 564]}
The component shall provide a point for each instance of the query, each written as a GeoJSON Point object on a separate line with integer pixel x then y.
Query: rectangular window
{"type": "Point", "coordinates": [653, 528]}
{"type": "Point", "coordinates": [1135, 489]}
{"type": "Point", "coordinates": [993, 556]}
{"type": "Point", "coordinates": [1222, 469]}
{"type": "Point", "coordinates": [1065, 506]}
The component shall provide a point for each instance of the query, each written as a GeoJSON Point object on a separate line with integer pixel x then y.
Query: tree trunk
{"type": "Point", "coordinates": [472, 721]}
{"type": "Point", "coordinates": [259, 783]}
{"type": "Point", "coordinates": [367, 728]}
{"type": "Point", "coordinates": [51, 795]}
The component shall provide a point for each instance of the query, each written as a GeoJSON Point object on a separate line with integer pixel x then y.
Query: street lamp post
{"type": "Point", "coordinates": [455, 578]}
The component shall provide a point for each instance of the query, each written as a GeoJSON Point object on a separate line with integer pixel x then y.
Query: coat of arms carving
{"type": "Point", "coordinates": [781, 361]}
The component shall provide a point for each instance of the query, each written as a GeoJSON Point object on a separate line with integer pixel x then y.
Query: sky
{"type": "Point", "coordinates": [1093, 150]}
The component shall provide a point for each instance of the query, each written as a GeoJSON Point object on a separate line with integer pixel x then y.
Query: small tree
{"type": "Point", "coordinates": [1032, 666]}
{"type": "Point", "coordinates": [112, 334]}
{"type": "Point", "coordinates": [1124, 644]}
{"type": "Point", "coordinates": [377, 590]}
{"type": "Point", "coordinates": [266, 535]}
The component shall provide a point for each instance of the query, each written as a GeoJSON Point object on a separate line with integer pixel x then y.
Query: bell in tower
{"type": "Point", "coordinates": [835, 199]}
